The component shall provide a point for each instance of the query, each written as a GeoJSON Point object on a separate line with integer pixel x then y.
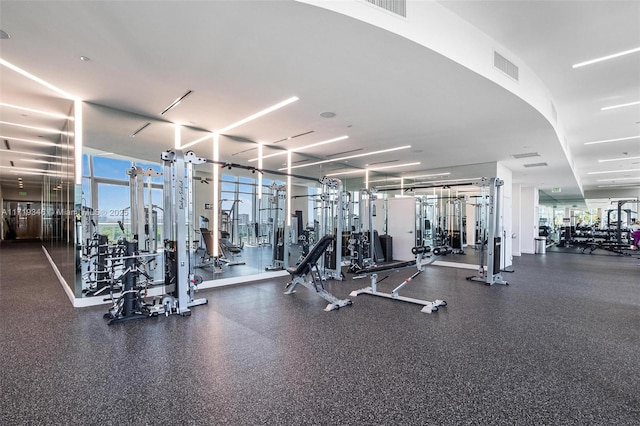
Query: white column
{"type": "Point", "coordinates": [516, 225]}
{"type": "Point", "coordinates": [529, 207]}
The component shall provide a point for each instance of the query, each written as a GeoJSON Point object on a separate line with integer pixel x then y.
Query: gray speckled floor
{"type": "Point", "coordinates": [559, 346]}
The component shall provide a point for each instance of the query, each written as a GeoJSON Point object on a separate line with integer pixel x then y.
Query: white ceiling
{"type": "Point", "coordinates": [240, 57]}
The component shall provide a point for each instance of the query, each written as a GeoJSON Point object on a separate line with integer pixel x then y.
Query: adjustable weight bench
{"type": "Point", "coordinates": [308, 268]}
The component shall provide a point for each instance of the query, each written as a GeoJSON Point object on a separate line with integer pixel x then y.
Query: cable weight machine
{"type": "Point", "coordinates": [491, 274]}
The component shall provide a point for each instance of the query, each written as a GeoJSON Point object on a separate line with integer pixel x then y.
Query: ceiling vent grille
{"type": "Point", "coordinates": [344, 152]}
{"type": "Point", "coordinates": [294, 136]}
{"type": "Point", "coordinates": [526, 155]}
{"type": "Point", "coordinates": [383, 162]}
{"type": "Point", "coordinates": [506, 66]}
{"type": "Point", "coordinates": [243, 151]}
{"type": "Point", "coordinates": [399, 7]}
{"type": "Point", "coordinates": [536, 165]}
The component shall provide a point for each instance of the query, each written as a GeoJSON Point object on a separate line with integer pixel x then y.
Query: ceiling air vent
{"type": "Point", "coordinates": [344, 152]}
{"type": "Point", "coordinates": [383, 162]}
{"type": "Point", "coordinates": [139, 129]}
{"type": "Point", "coordinates": [536, 165]}
{"type": "Point", "coordinates": [506, 66]}
{"type": "Point", "coordinates": [294, 136]}
{"type": "Point", "coordinates": [246, 150]}
{"type": "Point", "coordinates": [526, 155]}
{"type": "Point", "coordinates": [399, 7]}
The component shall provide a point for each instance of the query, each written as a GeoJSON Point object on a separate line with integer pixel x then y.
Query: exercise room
{"type": "Point", "coordinates": [307, 213]}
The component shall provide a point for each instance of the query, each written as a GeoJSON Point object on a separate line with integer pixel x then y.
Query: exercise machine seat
{"type": "Point", "coordinates": [312, 257]}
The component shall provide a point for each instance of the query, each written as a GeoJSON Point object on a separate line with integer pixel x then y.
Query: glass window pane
{"type": "Point", "coordinates": [113, 206]}
{"type": "Point", "coordinates": [110, 168]}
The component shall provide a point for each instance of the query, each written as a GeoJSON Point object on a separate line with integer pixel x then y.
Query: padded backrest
{"type": "Point", "coordinates": [312, 257]}
{"type": "Point", "coordinates": [208, 240]}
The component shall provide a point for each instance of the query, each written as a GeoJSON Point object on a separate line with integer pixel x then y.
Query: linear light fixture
{"type": "Point", "coordinates": [351, 156]}
{"type": "Point", "coordinates": [260, 146]}
{"type": "Point", "coordinates": [618, 159]}
{"type": "Point", "coordinates": [424, 176]}
{"type": "Point", "coordinates": [259, 114]}
{"type": "Point", "coordinates": [614, 171]}
{"type": "Point", "coordinates": [205, 137]}
{"type": "Point", "coordinates": [176, 102]}
{"type": "Point", "coordinates": [78, 140]}
{"type": "Point", "coordinates": [289, 192]}
{"type": "Point", "coordinates": [614, 186]}
{"type": "Point", "coordinates": [176, 135]}
{"type": "Point", "coordinates": [452, 180]}
{"type": "Point", "coordinates": [46, 143]}
{"type": "Point", "coordinates": [302, 148]}
{"type": "Point", "coordinates": [613, 140]}
{"type": "Point", "coordinates": [606, 58]}
{"type": "Point", "coordinates": [37, 111]}
{"type": "Point", "coordinates": [36, 161]}
{"type": "Point", "coordinates": [373, 169]}
{"type": "Point", "coordinates": [216, 190]}
{"type": "Point", "coordinates": [42, 129]}
{"type": "Point", "coordinates": [620, 106]}
{"type": "Point", "coordinates": [40, 171]}
{"type": "Point", "coordinates": [385, 180]}
{"type": "Point", "coordinates": [33, 153]}
{"type": "Point", "coordinates": [617, 179]}
{"type": "Point", "coordinates": [36, 79]}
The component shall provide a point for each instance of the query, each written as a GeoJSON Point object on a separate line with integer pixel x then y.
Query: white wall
{"type": "Point", "coordinates": [529, 218]}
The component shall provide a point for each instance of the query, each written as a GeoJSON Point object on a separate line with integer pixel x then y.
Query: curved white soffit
{"type": "Point", "coordinates": [437, 28]}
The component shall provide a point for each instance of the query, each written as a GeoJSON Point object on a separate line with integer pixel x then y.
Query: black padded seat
{"type": "Point", "coordinates": [312, 257]}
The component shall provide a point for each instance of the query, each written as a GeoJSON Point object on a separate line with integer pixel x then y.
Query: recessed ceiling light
{"type": "Point", "coordinates": [85, 58]}
{"type": "Point", "coordinates": [38, 154]}
{"type": "Point", "coordinates": [606, 58]}
{"type": "Point", "coordinates": [615, 179]}
{"type": "Point", "coordinates": [50, 114]}
{"type": "Point", "coordinates": [352, 156]}
{"type": "Point", "coordinates": [36, 79]}
{"type": "Point", "coordinates": [44, 129]}
{"type": "Point", "coordinates": [302, 148]}
{"type": "Point", "coordinates": [31, 141]}
{"type": "Point", "coordinates": [614, 171]}
{"type": "Point", "coordinates": [618, 159]}
{"type": "Point", "coordinates": [613, 140]}
{"type": "Point", "coordinates": [430, 175]}
{"type": "Point", "coordinates": [35, 161]}
{"type": "Point", "coordinates": [260, 114]}
{"type": "Point", "coordinates": [327, 114]}
{"type": "Point", "coordinates": [620, 106]}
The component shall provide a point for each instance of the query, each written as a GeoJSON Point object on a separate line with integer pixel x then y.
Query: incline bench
{"type": "Point", "coordinates": [309, 267]}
